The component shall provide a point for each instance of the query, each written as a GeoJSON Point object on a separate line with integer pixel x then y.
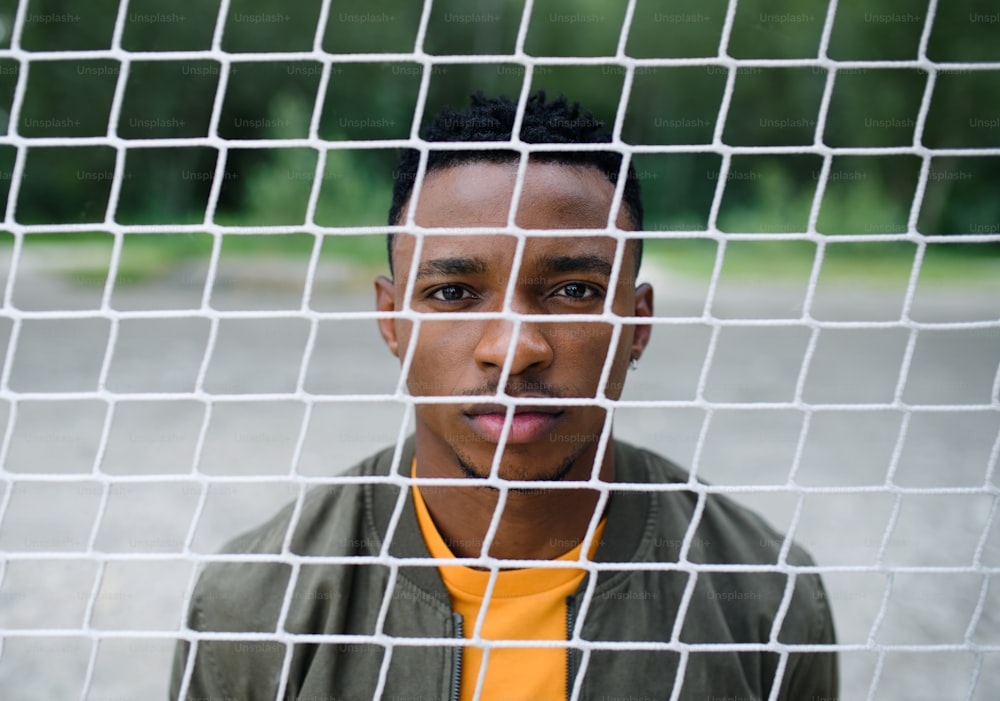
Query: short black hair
{"type": "Point", "coordinates": [492, 119]}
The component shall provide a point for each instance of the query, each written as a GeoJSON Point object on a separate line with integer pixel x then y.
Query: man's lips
{"type": "Point", "coordinates": [481, 409]}
{"type": "Point", "coordinates": [529, 423]}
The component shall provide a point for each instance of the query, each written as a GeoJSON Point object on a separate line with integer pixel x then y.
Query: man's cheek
{"type": "Point", "coordinates": [446, 341]}
{"type": "Point", "coordinates": [590, 340]}
{"type": "Point", "coordinates": [438, 358]}
{"type": "Point", "coordinates": [594, 344]}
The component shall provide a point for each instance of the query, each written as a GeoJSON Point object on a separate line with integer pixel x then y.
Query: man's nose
{"type": "Point", "coordinates": [531, 348]}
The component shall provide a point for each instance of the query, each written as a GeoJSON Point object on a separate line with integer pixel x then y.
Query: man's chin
{"type": "Point", "coordinates": [518, 471]}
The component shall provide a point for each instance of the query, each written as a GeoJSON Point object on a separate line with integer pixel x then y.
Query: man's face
{"type": "Point", "coordinates": [549, 359]}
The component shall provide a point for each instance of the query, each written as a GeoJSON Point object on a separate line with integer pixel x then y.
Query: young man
{"type": "Point", "coordinates": [584, 565]}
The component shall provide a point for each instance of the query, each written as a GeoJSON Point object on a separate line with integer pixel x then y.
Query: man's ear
{"type": "Point", "coordinates": [385, 301]}
{"type": "Point", "coordinates": [643, 307]}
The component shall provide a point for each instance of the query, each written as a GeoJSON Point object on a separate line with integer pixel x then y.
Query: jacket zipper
{"type": "Point", "coordinates": [570, 619]}
{"type": "Point", "coordinates": [456, 659]}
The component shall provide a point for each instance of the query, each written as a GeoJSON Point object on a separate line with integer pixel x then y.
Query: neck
{"type": "Point", "coordinates": [534, 525]}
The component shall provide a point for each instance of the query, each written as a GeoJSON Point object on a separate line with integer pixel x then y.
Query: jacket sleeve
{"type": "Point", "coordinates": [814, 675]}
{"type": "Point", "coordinates": [203, 684]}
{"type": "Point", "coordinates": [237, 598]}
{"type": "Point", "coordinates": [177, 670]}
{"type": "Point", "coordinates": [245, 598]}
{"type": "Point", "coordinates": [237, 668]}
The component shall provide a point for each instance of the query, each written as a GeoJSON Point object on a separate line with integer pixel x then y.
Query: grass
{"type": "Point", "coordinates": [356, 184]}
{"type": "Point", "coordinates": [862, 263]}
{"type": "Point", "coordinates": [353, 195]}
{"type": "Point", "coordinates": [147, 257]}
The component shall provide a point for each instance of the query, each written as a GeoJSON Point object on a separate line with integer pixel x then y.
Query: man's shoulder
{"type": "Point", "coordinates": [326, 521]}
{"type": "Point", "coordinates": [727, 531]}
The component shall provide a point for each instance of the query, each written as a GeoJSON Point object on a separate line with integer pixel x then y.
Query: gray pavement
{"type": "Point", "coordinates": [57, 612]}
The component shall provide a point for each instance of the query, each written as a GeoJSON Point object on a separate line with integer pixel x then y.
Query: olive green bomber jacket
{"type": "Point", "coordinates": [728, 646]}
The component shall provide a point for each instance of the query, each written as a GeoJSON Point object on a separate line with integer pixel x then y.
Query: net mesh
{"type": "Point", "coordinates": [85, 589]}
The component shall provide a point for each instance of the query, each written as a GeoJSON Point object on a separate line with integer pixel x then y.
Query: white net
{"type": "Point", "coordinates": [149, 420]}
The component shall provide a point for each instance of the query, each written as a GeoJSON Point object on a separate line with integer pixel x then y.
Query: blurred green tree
{"type": "Point", "coordinates": [370, 98]}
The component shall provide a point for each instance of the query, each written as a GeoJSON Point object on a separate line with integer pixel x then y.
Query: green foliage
{"type": "Point", "coordinates": [680, 29]}
{"type": "Point", "coordinates": [880, 30]}
{"type": "Point", "coordinates": [777, 29]}
{"type": "Point", "coordinates": [354, 185]}
{"type": "Point", "coordinates": [372, 100]}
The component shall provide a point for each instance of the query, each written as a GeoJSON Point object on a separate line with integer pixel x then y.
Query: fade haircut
{"type": "Point", "coordinates": [492, 119]}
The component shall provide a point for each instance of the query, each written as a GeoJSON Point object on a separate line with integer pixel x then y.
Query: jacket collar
{"type": "Point", "coordinates": [407, 540]}
{"type": "Point", "coordinates": [630, 517]}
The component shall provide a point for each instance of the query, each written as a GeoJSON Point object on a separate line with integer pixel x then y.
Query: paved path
{"type": "Point", "coordinates": [757, 449]}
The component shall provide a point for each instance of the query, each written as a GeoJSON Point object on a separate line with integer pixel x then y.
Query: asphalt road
{"type": "Point", "coordinates": [912, 494]}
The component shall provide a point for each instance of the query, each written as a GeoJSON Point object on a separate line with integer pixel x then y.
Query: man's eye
{"type": "Point", "coordinates": [578, 290]}
{"type": "Point", "coordinates": [450, 293]}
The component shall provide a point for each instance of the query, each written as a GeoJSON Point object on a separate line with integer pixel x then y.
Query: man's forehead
{"type": "Point", "coordinates": [480, 194]}
{"type": "Point", "coordinates": [494, 253]}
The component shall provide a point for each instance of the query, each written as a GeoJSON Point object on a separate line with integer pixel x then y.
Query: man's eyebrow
{"type": "Point", "coordinates": [451, 266]}
{"type": "Point", "coordinates": [575, 264]}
